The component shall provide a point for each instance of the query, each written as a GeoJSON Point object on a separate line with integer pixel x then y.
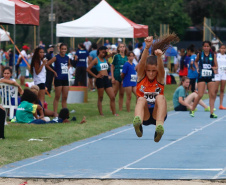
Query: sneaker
{"type": "Point", "coordinates": [192, 113]}
{"type": "Point", "coordinates": [208, 109]}
{"type": "Point", "coordinates": [213, 115]}
{"type": "Point", "coordinates": [222, 108]}
{"type": "Point", "coordinates": [138, 126]}
{"type": "Point", "coordinates": [159, 131]}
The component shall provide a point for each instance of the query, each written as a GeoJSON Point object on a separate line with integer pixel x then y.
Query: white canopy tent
{"type": "Point", "coordinates": [102, 21]}
{"type": "Point", "coordinates": [7, 9]}
{"type": "Point", "coordinates": [4, 36]}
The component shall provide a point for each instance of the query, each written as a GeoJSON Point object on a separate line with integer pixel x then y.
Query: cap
{"type": "Point", "coordinates": [120, 40]}
{"type": "Point", "coordinates": [51, 46]}
{"type": "Point", "coordinates": [113, 46]}
{"type": "Point", "coordinates": [25, 47]}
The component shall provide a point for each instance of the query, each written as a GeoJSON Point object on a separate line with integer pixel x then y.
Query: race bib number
{"type": "Point", "coordinates": [206, 73]}
{"type": "Point", "coordinates": [64, 68]}
{"type": "Point", "coordinates": [223, 69]}
{"type": "Point", "coordinates": [133, 78]}
{"type": "Point", "coordinates": [150, 96]}
{"type": "Point", "coordinates": [103, 66]}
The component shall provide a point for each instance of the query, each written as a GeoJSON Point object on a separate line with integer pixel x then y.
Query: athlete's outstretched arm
{"type": "Point", "coordinates": [160, 66]}
{"type": "Point", "coordinates": [145, 54]}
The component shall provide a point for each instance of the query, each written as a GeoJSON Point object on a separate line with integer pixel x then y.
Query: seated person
{"type": "Point", "coordinates": [182, 101]}
{"type": "Point", "coordinates": [47, 112]}
{"type": "Point", "coordinates": [7, 78]}
{"type": "Point", "coordinates": [63, 116]}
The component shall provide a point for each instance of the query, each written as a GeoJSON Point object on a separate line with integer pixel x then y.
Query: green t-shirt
{"type": "Point", "coordinates": [118, 62]}
{"type": "Point", "coordinates": [180, 92]}
{"type": "Point", "coordinates": [25, 111]}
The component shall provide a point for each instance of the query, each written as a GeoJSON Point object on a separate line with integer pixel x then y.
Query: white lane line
{"type": "Point", "coordinates": [66, 151]}
{"type": "Point", "coordinates": [177, 169]}
{"type": "Point", "coordinates": [219, 174]}
{"type": "Point", "coordinates": [184, 137]}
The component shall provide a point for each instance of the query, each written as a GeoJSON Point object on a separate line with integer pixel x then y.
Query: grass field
{"type": "Point", "coordinates": [17, 147]}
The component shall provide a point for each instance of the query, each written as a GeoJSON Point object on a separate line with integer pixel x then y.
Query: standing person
{"type": "Point", "coordinates": [183, 71]}
{"type": "Point", "coordinates": [22, 64]}
{"type": "Point", "coordinates": [182, 101]}
{"type": "Point", "coordinates": [137, 52]}
{"type": "Point", "coordinates": [220, 78]}
{"type": "Point", "coordinates": [102, 81]}
{"type": "Point", "coordinates": [38, 71]}
{"type": "Point", "coordinates": [206, 65]}
{"type": "Point", "coordinates": [87, 44]}
{"type": "Point", "coordinates": [2, 122]}
{"type": "Point", "coordinates": [192, 71]}
{"type": "Point", "coordinates": [92, 56]}
{"type": "Point", "coordinates": [116, 69]}
{"type": "Point", "coordinates": [80, 73]}
{"type": "Point", "coordinates": [151, 107]}
{"type": "Point", "coordinates": [61, 63]}
{"type": "Point", "coordinates": [129, 77]}
{"type": "Point", "coordinates": [49, 74]}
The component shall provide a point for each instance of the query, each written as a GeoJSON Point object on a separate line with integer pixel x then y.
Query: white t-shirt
{"type": "Point", "coordinates": [137, 53]}
{"type": "Point", "coordinates": [23, 52]}
{"type": "Point", "coordinates": [221, 61]}
{"type": "Point", "coordinates": [41, 77]}
{"type": "Point", "coordinates": [87, 44]}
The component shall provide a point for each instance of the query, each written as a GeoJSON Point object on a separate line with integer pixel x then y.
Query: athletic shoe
{"type": "Point", "coordinates": [222, 108]}
{"type": "Point", "coordinates": [213, 115]}
{"type": "Point", "coordinates": [138, 126]}
{"type": "Point", "coordinates": [159, 131]}
{"type": "Point", "coordinates": [192, 113]}
{"type": "Point", "coordinates": [208, 109]}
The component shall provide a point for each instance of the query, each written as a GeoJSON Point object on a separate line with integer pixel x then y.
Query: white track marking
{"type": "Point", "coordinates": [219, 174]}
{"type": "Point", "coordinates": [94, 141]}
{"type": "Point", "coordinates": [191, 133]}
{"type": "Point", "coordinates": [177, 169]}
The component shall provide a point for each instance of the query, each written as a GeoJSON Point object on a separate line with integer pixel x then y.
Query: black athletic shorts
{"type": "Point", "coordinates": [180, 108]}
{"type": "Point", "coordinates": [207, 80]}
{"type": "Point", "coordinates": [60, 82]}
{"type": "Point", "coordinates": [151, 120]}
{"type": "Point", "coordinates": [103, 82]}
{"type": "Point", "coordinates": [80, 76]}
{"type": "Point", "coordinates": [41, 86]}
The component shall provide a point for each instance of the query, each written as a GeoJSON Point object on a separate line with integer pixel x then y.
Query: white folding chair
{"type": "Point", "coordinates": [70, 80]}
{"type": "Point", "coordinates": [6, 93]}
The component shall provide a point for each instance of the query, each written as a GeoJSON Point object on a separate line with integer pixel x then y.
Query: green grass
{"type": "Point", "coordinates": [17, 147]}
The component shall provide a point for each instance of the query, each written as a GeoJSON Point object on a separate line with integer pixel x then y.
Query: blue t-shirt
{"type": "Point", "coordinates": [93, 54]}
{"type": "Point", "coordinates": [130, 78]}
{"type": "Point", "coordinates": [82, 55]}
{"type": "Point", "coordinates": [192, 74]}
{"type": "Point", "coordinates": [61, 67]}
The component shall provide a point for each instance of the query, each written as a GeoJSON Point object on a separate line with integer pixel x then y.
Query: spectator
{"type": "Point", "coordinates": [41, 45]}
{"type": "Point", "coordinates": [61, 63]}
{"type": "Point", "coordinates": [2, 122]}
{"type": "Point", "coordinates": [107, 43]}
{"type": "Point", "coordinates": [137, 52]}
{"type": "Point", "coordinates": [87, 44]}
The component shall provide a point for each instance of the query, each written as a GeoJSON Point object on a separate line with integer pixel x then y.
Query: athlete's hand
{"type": "Point", "coordinates": [55, 74]}
{"type": "Point", "coordinates": [148, 41]}
{"type": "Point", "coordinates": [113, 80]}
{"type": "Point", "coordinates": [100, 76]}
{"type": "Point", "coordinates": [158, 52]}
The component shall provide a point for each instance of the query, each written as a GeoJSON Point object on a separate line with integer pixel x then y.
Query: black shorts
{"type": "Point", "coordinates": [207, 80]}
{"type": "Point", "coordinates": [60, 82]}
{"type": "Point", "coordinates": [41, 86]}
{"type": "Point", "coordinates": [94, 70]}
{"type": "Point", "coordinates": [192, 84]}
{"type": "Point", "coordinates": [151, 120]}
{"type": "Point", "coordinates": [80, 76]}
{"type": "Point", "coordinates": [180, 108]}
{"type": "Point", "coordinates": [103, 82]}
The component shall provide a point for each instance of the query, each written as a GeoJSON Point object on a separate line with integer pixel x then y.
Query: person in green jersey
{"type": "Point", "coordinates": [116, 69]}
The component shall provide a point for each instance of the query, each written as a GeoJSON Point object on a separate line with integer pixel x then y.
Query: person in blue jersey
{"type": "Point", "coordinates": [129, 77]}
{"type": "Point", "coordinates": [92, 56]}
{"type": "Point", "coordinates": [206, 65]}
{"type": "Point", "coordinates": [102, 81]}
{"type": "Point", "coordinates": [80, 73]}
{"type": "Point", "coordinates": [192, 71]}
{"type": "Point", "coordinates": [116, 69]}
{"type": "Point", "coordinates": [60, 70]}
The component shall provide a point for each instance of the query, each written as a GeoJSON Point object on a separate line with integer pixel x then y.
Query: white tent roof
{"type": "Point", "coordinates": [7, 9]}
{"type": "Point", "coordinates": [3, 35]}
{"type": "Point", "coordinates": [101, 21]}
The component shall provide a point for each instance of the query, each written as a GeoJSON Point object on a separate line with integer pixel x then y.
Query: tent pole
{"type": "Point", "coordinates": [133, 43]}
{"type": "Point", "coordinates": [34, 37]}
{"type": "Point", "coordinates": [14, 50]}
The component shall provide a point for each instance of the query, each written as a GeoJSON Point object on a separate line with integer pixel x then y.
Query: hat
{"type": "Point", "coordinates": [51, 46]}
{"type": "Point", "coordinates": [119, 40]}
{"type": "Point", "coordinates": [113, 46]}
{"type": "Point", "coordinates": [25, 47]}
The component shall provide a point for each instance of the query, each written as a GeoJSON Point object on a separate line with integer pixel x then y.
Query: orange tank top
{"type": "Point", "coordinates": [149, 89]}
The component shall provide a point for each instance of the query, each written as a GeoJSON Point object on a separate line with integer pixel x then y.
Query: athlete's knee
{"type": "Point", "coordinates": [112, 98]}
{"type": "Point", "coordinates": [160, 97]}
{"type": "Point", "coordinates": [221, 90]}
{"type": "Point", "coordinates": [100, 98]}
{"type": "Point", "coordinates": [141, 100]}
